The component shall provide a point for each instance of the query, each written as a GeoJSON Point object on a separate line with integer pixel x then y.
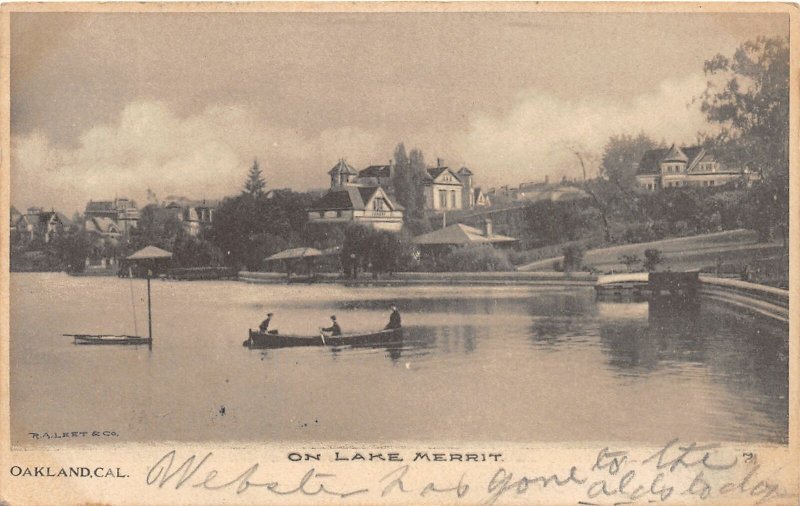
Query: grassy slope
{"type": "Point", "coordinates": [732, 247]}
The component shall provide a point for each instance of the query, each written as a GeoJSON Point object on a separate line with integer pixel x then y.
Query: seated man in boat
{"type": "Point", "coordinates": [334, 329]}
{"type": "Point", "coordinates": [394, 319]}
{"type": "Point", "coordinates": [264, 327]}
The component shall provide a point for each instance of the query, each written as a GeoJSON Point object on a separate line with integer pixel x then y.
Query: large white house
{"type": "Point", "coordinates": [365, 205]}
{"type": "Point", "coordinates": [676, 167]}
{"type": "Point", "coordinates": [443, 190]}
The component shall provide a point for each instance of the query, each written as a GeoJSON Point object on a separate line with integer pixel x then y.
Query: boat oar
{"type": "Point", "coordinates": [322, 336]}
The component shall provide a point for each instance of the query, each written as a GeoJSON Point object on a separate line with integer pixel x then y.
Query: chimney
{"type": "Point", "coordinates": [439, 162]}
{"type": "Point", "coordinates": [487, 227]}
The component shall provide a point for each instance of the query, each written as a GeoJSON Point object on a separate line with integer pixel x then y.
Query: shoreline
{"type": "Point", "coordinates": [422, 278]}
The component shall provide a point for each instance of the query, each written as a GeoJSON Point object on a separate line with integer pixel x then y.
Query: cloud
{"type": "Point", "coordinates": [539, 134]}
{"type": "Point", "coordinates": [202, 155]}
{"type": "Point", "coordinates": [207, 154]}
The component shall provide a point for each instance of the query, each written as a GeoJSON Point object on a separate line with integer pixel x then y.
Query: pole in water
{"type": "Point", "coordinates": [149, 316]}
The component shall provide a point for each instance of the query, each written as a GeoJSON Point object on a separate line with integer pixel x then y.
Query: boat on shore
{"type": "Point", "coordinates": [258, 339]}
{"type": "Point", "coordinates": [109, 339]}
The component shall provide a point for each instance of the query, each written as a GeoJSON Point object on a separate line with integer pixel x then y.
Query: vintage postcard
{"type": "Point", "coordinates": [399, 253]}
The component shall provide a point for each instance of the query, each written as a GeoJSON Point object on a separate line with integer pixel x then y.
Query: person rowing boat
{"type": "Point", "coordinates": [264, 327]}
{"type": "Point", "coordinates": [394, 319]}
{"type": "Point", "coordinates": [334, 329]}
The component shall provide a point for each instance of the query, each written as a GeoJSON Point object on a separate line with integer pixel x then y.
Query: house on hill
{"type": "Point", "coordinates": [376, 175]}
{"type": "Point", "coordinates": [103, 227]}
{"type": "Point", "coordinates": [121, 211]}
{"type": "Point", "coordinates": [194, 215]}
{"type": "Point", "coordinates": [443, 190]}
{"type": "Point", "coordinates": [365, 205]}
{"type": "Point", "coordinates": [688, 166]}
{"type": "Point", "coordinates": [37, 224]}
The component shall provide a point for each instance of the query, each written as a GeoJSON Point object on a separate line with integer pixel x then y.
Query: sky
{"type": "Point", "coordinates": [108, 105]}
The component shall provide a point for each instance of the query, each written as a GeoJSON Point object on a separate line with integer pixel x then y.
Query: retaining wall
{"type": "Point", "coordinates": [439, 278]}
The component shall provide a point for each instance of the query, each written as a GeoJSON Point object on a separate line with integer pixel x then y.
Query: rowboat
{"type": "Point", "coordinates": [149, 253]}
{"type": "Point", "coordinates": [257, 339]}
{"type": "Point", "coordinates": [109, 339]}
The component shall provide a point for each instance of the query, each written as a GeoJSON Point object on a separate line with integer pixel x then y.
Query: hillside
{"type": "Point", "coordinates": [734, 248]}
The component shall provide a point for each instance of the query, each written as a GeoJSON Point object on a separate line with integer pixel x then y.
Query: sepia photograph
{"type": "Point", "coordinates": [400, 234]}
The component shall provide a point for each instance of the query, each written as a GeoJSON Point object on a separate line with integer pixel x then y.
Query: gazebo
{"type": "Point", "coordinates": [297, 256]}
{"type": "Point", "coordinates": [461, 235]}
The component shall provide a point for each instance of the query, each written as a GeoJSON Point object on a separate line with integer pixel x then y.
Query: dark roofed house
{"type": "Point", "coordinates": [366, 205]}
{"type": "Point", "coordinates": [376, 175]}
{"type": "Point", "coordinates": [685, 166]}
{"type": "Point", "coordinates": [342, 173]}
{"type": "Point", "coordinates": [122, 211]}
{"type": "Point", "coordinates": [194, 215]}
{"type": "Point", "coordinates": [39, 224]}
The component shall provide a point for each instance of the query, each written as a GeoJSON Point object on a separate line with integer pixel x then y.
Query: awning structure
{"type": "Point", "coordinates": [460, 235]}
{"type": "Point", "coordinates": [294, 253]}
{"type": "Point", "coordinates": [150, 253]}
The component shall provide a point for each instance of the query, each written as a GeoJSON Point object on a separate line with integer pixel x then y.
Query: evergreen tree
{"type": "Point", "coordinates": [255, 184]}
{"type": "Point", "coordinates": [417, 164]}
{"type": "Point", "coordinates": [403, 182]}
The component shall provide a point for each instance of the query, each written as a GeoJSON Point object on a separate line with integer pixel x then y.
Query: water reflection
{"type": "Point", "coordinates": [666, 335]}
{"type": "Point", "coordinates": [715, 374]}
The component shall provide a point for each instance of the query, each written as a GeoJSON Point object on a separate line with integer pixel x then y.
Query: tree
{"type": "Point", "coordinates": [418, 174]}
{"type": "Point", "coordinates": [652, 257]}
{"type": "Point", "coordinates": [255, 184]}
{"type": "Point", "coordinates": [247, 229]}
{"type": "Point", "coordinates": [621, 155]}
{"type": "Point", "coordinates": [629, 261]}
{"type": "Point", "coordinates": [573, 257]}
{"type": "Point", "coordinates": [752, 109]}
{"type": "Point", "coordinates": [403, 182]}
{"type": "Point", "coordinates": [72, 249]}
{"type": "Point", "coordinates": [158, 227]}
{"type": "Point", "coordinates": [355, 249]}
{"type": "Point", "coordinates": [602, 204]}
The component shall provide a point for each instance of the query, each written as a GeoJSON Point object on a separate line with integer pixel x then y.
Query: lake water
{"type": "Point", "coordinates": [516, 364]}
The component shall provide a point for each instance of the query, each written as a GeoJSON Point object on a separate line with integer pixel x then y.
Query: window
{"type": "Point", "coordinates": [453, 198]}
{"type": "Point", "coordinates": [442, 199]}
{"type": "Point", "coordinates": [378, 204]}
{"type": "Point", "coordinates": [338, 214]}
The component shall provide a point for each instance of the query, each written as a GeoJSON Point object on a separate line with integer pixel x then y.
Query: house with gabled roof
{"type": "Point", "coordinates": [39, 224]}
{"type": "Point", "coordinates": [675, 167]}
{"type": "Point", "coordinates": [122, 211]}
{"type": "Point", "coordinates": [194, 215]}
{"type": "Point", "coordinates": [103, 227]}
{"type": "Point", "coordinates": [443, 190]}
{"type": "Point", "coordinates": [365, 205]}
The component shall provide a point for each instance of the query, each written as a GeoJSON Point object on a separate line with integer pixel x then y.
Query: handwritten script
{"type": "Point", "coordinates": [676, 473]}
